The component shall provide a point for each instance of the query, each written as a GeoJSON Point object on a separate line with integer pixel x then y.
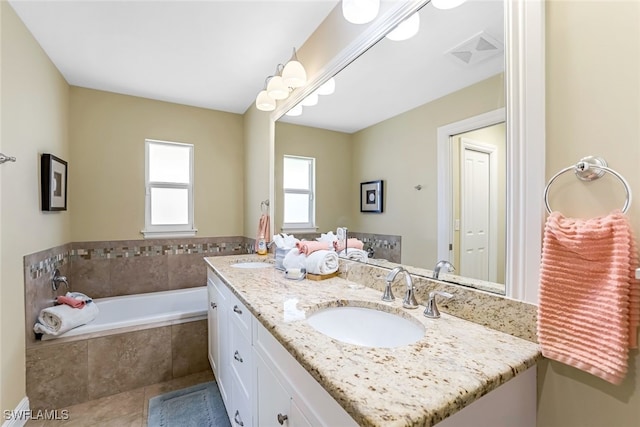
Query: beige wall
{"type": "Point", "coordinates": [34, 119]}
{"type": "Point", "coordinates": [106, 176]}
{"type": "Point", "coordinates": [332, 151]}
{"type": "Point", "coordinates": [258, 160]}
{"type": "Point", "coordinates": [593, 108]}
{"type": "Point", "coordinates": [402, 152]}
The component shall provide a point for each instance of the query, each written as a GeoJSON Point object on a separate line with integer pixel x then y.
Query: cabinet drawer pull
{"type": "Point", "coordinates": [282, 418]}
{"type": "Point", "coordinates": [236, 309]}
{"type": "Point", "coordinates": [237, 356]}
{"type": "Point", "coordinates": [237, 419]}
{"type": "Point", "coordinates": [214, 305]}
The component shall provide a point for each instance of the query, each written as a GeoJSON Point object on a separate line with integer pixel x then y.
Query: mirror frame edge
{"type": "Point", "coordinates": [525, 105]}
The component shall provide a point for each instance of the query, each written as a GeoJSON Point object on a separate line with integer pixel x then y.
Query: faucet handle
{"type": "Point", "coordinates": [388, 293]}
{"type": "Point", "coordinates": [432, 308]}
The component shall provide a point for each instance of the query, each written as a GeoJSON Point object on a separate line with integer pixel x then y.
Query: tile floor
{"type": "Point", "coordinates": [126, 409]}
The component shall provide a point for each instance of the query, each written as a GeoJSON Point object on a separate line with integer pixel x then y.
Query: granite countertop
{"type": "Point", "coordinates": [455, 363]}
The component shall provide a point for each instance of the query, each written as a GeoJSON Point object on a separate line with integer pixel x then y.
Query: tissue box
{"type": "Point", "coordinates": [280, 254]}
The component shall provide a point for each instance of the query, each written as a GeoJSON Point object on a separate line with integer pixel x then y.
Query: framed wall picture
{"type": "Point", "coordinates": [371, 196]}
{"type": "Point", "coordinates": [53, 179]}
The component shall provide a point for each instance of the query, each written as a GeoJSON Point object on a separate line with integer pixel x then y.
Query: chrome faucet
{"type": "Point", "coordinates": [432, 308]}
{"type": "Point", "coordinates": [439, 265]}
{"type": "Point", "coordinates": [409, 300]}
{"type": "Point", "coordinates": [57, 279]}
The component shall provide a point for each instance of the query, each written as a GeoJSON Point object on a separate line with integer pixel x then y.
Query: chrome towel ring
{"type": "Point", "coordinates": [589, 169]}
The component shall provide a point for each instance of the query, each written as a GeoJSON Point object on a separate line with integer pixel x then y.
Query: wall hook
{"type": "Point", "coordinates": [418, 187]}
{"type": "Point", "coordinates": [4, 159]}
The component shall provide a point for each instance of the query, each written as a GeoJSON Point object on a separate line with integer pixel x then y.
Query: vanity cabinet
{"type": "Point", "coordinates": [260, 382]}
{"type": "Point", "coordinates": [230, 351]}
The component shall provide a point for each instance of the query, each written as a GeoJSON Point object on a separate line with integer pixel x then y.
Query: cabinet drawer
{"type": "Point", "coordinates": [240, 356]}
{"type": "Point", "coordinates": [240, 315]}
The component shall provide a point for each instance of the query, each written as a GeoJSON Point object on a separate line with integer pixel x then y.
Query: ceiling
{"type": "Point", "coordinates": [216, 54]}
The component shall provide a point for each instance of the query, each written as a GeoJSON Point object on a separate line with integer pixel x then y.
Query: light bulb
{"type": "Point", "coordinates": [446, 4]}
{"type": "Point", "coordinates": [295, 111]}
{"type": "Point", "coordinates": [360, 11]}
{"type": "Point", "coordinates": [277, 89]}
{"type": "Point", "coordinates": [264, 102]}
{"type": "Point", "coordinates": [406, 29]}
{"type": "Point", "coordinates": [327, 87]}
{"type": "Point", "coordinates": [294, 74]}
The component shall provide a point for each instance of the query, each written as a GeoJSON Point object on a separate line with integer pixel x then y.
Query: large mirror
{"type": "Point", "coordinates": [425, 116]}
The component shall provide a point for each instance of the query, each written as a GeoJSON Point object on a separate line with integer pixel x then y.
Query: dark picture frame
{"type": "Point", "coordinates": [53, 179]}
{"type": "Point", "coordinates": [371, 196]}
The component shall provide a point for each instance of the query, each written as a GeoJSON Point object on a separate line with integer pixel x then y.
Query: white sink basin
{"type": "Point", "coordinates": [256, 264]}
{"type": "Point", "coordinates": [366, 327]}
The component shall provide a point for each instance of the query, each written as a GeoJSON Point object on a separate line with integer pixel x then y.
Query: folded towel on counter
{"type": "Point", "coordinates": [59, 319]}
{"type": "Point", "coordinates": [71, 302]}
{"type": "Point", "coordinates": [294, 259]}
{"type": "Point", "coordinates": [589, 300]}
{"type": "Point", "coordinates": [309, 247]}
{"type": "Point", "coordinates": [327, 237]}
{"type": "Point", "coordinates": [351, 243]}
{"type": "Point", "coordinates": [322, 262]}
{"type": "Point", "coordinates": [355, 255]}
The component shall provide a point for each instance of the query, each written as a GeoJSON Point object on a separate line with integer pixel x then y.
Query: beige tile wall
{"type": "Point", "coordinates": [113, 268]}
{"type": "Point", "coordinates": [68, 373]}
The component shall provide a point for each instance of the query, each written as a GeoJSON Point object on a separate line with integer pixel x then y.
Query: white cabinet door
{"type": "Point", "coordinates": [273, 399]}
{"type": "Point", "coordinates": [223, 376]}
{"type": "Point", "coordinates": [212, 321]}
{"type": "Point", "coordinates": [296, 417]}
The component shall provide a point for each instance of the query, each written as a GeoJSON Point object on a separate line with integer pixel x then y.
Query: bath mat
{"type": "Point", "coordinates": [196, 406]}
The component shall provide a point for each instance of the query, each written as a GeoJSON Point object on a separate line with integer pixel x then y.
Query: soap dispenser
{"type": "Point", "coordinates": [262, 245]}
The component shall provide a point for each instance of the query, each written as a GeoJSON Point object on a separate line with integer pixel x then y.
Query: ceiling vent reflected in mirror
{"type": "Point", "coordinates": [480, 47]}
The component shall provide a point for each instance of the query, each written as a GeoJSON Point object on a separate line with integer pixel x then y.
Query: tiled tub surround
{"type": "Point", "coordinates": [114, 268]}
{"type": "Point", "coordinates": [455, 363]}
{"type": "Point", "coordinates": [63, 373]}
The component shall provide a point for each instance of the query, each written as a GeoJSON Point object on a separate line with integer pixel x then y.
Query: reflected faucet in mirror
{"type": "Point", "coordinates": [442, 263]}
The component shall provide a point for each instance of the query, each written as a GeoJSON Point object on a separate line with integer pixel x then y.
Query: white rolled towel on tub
{"type": "Point", "coordinates": [322, 262]}
{"type": "Point", "coordinates": [61, 318]}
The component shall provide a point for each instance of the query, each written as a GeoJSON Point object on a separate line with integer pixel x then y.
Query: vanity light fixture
{"type": "Point", "coordinates": [360, 11]}
{"type": "Point", "coordinates": [406, 29]}
{"type": "Point", "coordinates": [276, 87]}
{"type": "Point", "coordinates": [279, 86]}
{"type": "Point", "coordinates": [263, 101]}
{"type": "Point", "coordinates": [446, 4]}
{"type": "Point", "coordinates": [294, 74]}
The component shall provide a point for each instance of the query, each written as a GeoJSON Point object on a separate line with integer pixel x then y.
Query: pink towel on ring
{"type": "Point", "coordinates": [352, 243]}
{"type": "Point", "coordinates": [589, 302]}
{"type": "Point", "coordinates": [309, 247]}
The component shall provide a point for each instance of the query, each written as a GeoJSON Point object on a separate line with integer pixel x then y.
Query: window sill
{"type": "Point", "coordinates": [168, 234]}
{"type": "Point", "coordinates": [289, 230]}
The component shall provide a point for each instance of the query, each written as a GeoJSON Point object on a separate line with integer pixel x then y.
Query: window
{"type": "Point", "coordinates": [169, 189]}
{"type": "Point", "coordinates": [298, 181]}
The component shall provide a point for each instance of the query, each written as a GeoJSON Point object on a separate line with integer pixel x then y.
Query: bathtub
{"type": "Point", "coordinates": [182, 305]}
